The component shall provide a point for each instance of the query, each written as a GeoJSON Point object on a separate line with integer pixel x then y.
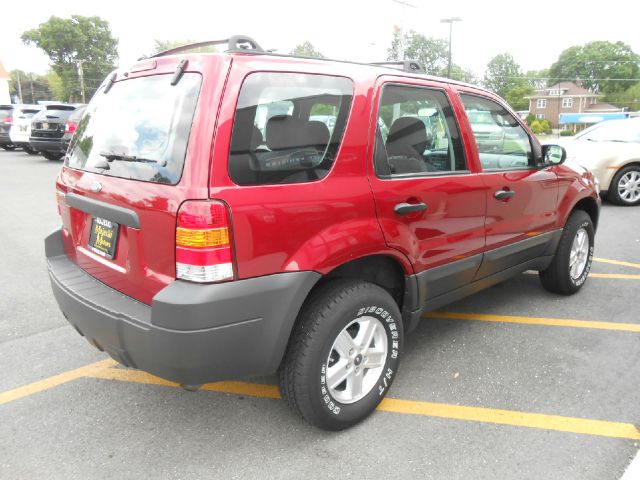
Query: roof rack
{"type": "Point", "coordinates": [407, 65]}
{"type": "Point", "coordinates": [236, 43]}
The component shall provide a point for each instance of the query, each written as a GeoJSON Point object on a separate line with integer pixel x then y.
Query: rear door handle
{"type": "Point", "coordinates": [403, 208]}
{"type": "Point", "coordinates": [503, 194]}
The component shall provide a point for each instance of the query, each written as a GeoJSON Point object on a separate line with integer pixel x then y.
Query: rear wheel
{"type": "Point", "coordinates": [9, 147]}
{"type": "Point", "coordinates": [29, 150]}
{"type": "Point", "coordinates": [625, 186]}
{"type": "Point", "coordinates": [52, 156]}
{"type": "Point", "coordinates": [343, 354]}
{"type": "Point", "coordinates": [571, 263]}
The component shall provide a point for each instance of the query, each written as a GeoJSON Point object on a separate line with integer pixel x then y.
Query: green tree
{"type": "Point", "coordinates": [431, 53]}
{"type": "Point", "coordinates": [34, 87]}
{"type": "Point", "coordinates": [600, 65]}
{"type": "Point", "coordinates": [306, 49]}
{"type": "Point", "coordinates": [504, 77]}
{"type": "Point", "coordinates": [460, 74]}
{"type": "Point", "coordinates": [630, 98]}
{"type": "Point", "coordinates": [74, 42]}
{"type": "Point", "coordinates": [163, 45]}
{"type": "Point", "coordinates": [502, 74]}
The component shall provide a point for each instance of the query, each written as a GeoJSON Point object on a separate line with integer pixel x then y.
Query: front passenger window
{"type": "Point", "coordinates": [502, 142]}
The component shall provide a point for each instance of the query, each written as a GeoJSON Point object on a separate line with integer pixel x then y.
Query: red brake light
{"type": "Point", "coordinates": [8, 120]}
{"type": "Point", "coordinates": [203, 242]}
{"type": "Point", "coordinates": [70, 127]}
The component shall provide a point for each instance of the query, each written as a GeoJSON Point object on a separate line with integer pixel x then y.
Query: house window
{"type": "Point", "coordinates": [554, 92]}
{"type": "Point", "coordinates": [567, 102]}
{"type": "Point", "coordinates": [540, 116]}
{"type": "Point", "coordinates": [542, 103]}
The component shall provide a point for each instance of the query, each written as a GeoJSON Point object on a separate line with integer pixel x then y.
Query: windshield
{"type": "Point", "coordinates": [143, 117]}
{"type": "Point", "coordinates": [623, 131]}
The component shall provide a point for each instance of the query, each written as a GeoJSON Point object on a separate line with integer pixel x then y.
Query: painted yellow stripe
{"type": "Point", "coordinates": [616, 262]}
{"type": "Point", "coordinates": [412, 407]}
{"type": "Point", "coordinates": [554, 322]}
{"type": "Point", "coordinates": [47, 383]}
{"type": "Point", "coordinates": [623, 276]}
{"type": "Point", "coordinates": [239, 388]}
{"type": "Point", "coordinates": [508, 417]}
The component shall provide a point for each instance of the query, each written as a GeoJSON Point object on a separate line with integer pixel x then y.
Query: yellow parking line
{"type": "Point", "coordinates": [508, 417]}
{"type": "Point", "coordinates": [137, 376]}
{"type": "Point", "coordinates": [623, 276]}
{"type": "Point", "coordinates": [411, 407]}
{"type": "Point", "coordinates": [47, 383]}
{"type": "Point", "coordinates": [554, 322]}
{"type": "Point", "coordinates": [616, 262]}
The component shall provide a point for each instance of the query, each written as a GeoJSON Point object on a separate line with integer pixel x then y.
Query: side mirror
{"type": "Point", "coordinates": [553, 155]}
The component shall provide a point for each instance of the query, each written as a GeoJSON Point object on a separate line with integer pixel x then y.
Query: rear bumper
{"type": "Point", "coordinates": [191, 334]}
{"type": "Point", "coordinates": [48, 144]}
{"type": "Point", "coordinates": [5, 139]}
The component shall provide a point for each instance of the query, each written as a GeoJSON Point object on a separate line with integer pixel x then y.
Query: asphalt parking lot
{"type": "Point", "coordinates": [512, 383]}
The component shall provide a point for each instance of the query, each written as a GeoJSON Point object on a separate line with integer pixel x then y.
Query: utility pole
{"type": "Point", "coordinates": [450, 21]}
{"type": "Point", "coordinates": [400, 28]}
{"type": "Point", "coordinates": [33, 97]}
{"type": "Point", "coordinates": [81, 75]}
{"type": "Point", "coordinates": [19, 86]}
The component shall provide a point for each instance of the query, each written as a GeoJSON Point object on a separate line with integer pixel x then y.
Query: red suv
{"type": "Point", "coordinates": [245, 213]}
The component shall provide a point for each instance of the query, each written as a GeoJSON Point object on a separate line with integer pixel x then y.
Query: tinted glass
{"type": "Point", "coordinates": [288, 127]}
{"type": "Point", "coordinates": [146, 118]}
{"type": "Point", "coordinates": [417, 133]}
{"type": "Point", "coordinates": [502, 142]}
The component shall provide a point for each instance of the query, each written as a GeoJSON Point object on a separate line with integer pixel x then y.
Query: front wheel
{"type": "Point", "coordinates": [8, 147]}
{"type": "Point", "coordinates": [52, 156]}
{"type": "Point", "coordinates": [343, 354]}
{"type": "Point", "coordinates": [29, 150]}
{"type": "Point", "coordinates": [625, 186]}
{"type": "Point", "coordinates": [572, 262]}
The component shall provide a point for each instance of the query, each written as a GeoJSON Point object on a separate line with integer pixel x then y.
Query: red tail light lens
{"type": "Point", "coordinates": [70, 127]}
{"type": "Point", "coordinates": [203, 242]}
{"type": "Point", "coordinates": [8, 120]}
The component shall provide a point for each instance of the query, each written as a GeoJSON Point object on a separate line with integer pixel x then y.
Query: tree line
{"type": "Point", "coordinates": [83, 51]}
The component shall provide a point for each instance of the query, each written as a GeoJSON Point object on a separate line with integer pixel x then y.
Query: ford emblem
{"type": "Point", "coordinates": [96, 187]}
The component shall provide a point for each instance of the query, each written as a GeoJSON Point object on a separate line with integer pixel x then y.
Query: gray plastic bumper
{"type": "Point", "coordinates": [192, 333]}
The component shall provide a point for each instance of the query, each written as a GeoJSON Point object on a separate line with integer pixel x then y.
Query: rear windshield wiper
{"type": "Point", "coordinates": [111, 156]}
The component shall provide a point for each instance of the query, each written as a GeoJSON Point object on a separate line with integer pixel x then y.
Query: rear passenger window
{"type": "Point", "coordinates": [416, 133]}
{"type": "Point", "coordinates": [502, 142]}
{"type": "Point", "coordinates": [288, 127]}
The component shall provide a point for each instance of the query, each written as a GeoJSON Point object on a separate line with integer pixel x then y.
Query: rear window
{"type": "Point", "coordinates": [61, 108]}
{"type": "Point", "coordinates": [137, 130]}
{"type": "Point", "coordinates": [288, 127]}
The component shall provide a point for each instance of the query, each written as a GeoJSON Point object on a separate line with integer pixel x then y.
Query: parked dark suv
{"type": "Point", "coordinates": [52, 128]}
{"type": "Point", "coordinates": [212, 228]}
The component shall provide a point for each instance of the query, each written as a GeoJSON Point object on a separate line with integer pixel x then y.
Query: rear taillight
{"type": "Point", "coordinates": [70, 127]}
{"type": "Point", "coordinates": [203, 242]}
{"type": "Point", "coordinates": [8, 120]}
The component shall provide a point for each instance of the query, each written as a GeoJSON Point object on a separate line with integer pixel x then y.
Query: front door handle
{"type": "Point", "coordinates": [403, 208]}
{"type": "Point", "coordinates": [504, 194]}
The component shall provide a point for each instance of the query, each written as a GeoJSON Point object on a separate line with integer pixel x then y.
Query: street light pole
{"type": "Point", "coordinates": [450, 21]}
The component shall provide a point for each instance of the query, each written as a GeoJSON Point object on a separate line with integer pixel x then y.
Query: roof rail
{"type": "Point", "coordinates": [410, 66]}
{"type": "Point", "coordinates": [236, 43]}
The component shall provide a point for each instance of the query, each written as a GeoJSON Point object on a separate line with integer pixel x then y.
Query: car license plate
{"type": "Point", "coordinates": [103, 237]}
{"type": "Point", "coordinates": [23, 128]}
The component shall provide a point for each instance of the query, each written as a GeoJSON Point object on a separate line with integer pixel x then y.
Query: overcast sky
{"type": "Point", "coordinates": [533, 32]}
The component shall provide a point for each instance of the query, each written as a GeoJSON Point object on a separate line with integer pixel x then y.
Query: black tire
{"type": "Point", "coordinates": [325, 314]}
{"type": "Point", "coordinates": [29, 150]}
{"type": "Point", "coordinates": [557, 278]}
{"type": "Point", "coordinates": [614, 188]}
{"type": "Point", "coordinates": [9, 148]}
{"type": "Point", "coordinates": [52, 156]}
